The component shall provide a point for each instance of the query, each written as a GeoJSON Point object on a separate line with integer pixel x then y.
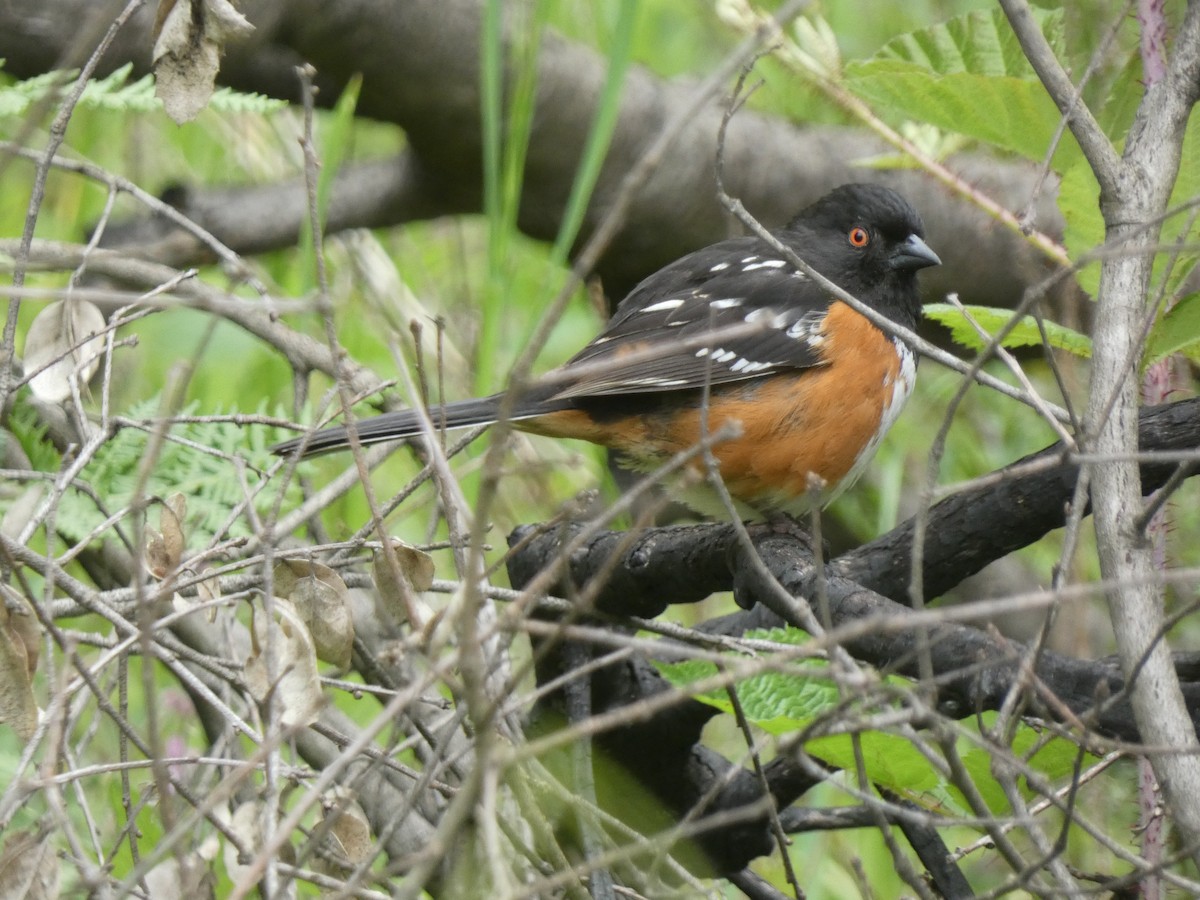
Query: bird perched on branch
{"type": "Point", "coordinates": [735, 333]}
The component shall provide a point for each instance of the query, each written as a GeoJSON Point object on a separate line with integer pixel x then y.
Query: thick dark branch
{"type": "Point", "coordinates": [974, 670]}
{"type": "Point", "coordinates": [971, 529]}
{"type": "Point", "coordinates": [965, 532]}
{"type": "Point", "coordinates": [257, 218]}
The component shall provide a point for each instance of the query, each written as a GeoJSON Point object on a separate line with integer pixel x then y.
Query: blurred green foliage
{"type": "Point", "coordinates": [486, 286]}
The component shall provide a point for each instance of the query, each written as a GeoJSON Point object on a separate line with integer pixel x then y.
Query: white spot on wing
{"type": "Point", "coordinates": [749, 259]}
{"type": "Point", "coordinates": [657, 382]}
{"type": "Point", "coordinates": [719, 267]}
{"type": "Point", "coordinates": [807, 327]}
{"type": "Point", "coordinates": [661, 305]}
{"type": "Point", "coordinates": [726, 303]}
{"type": "Point", "coordinates": [764, 264]}
{"type": "Point", "coordinates": [758, 315]}
{"type": "Point", "coordinates": [747, 367]}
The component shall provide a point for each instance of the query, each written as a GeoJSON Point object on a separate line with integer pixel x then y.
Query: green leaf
{"type": "Point", "coordinates": [1079, 203]}
{"type": "Point", "coordinates": [604, 122]}
{"type": "Point", "coordinates": [1176, 332]}
{"type": "Point", "coordinates": [782, 703]}
{"type": "Point", "coordinates": [774, 701]}
{"type": "Point", "coordinates": [1024, 334]}
{"type": "Point", "coordinates": [777, 702]}
{"type": "Point", "coordinates": [981, 43]}
{"type": "Point", "coordinates": [968, 76]}
{"type": "Point", "coordinates": [893, 762]}
{"type": "Point", "coordinates": [1182, 229]}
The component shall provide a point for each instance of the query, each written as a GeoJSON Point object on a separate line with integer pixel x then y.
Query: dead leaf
{"type": "Point", "coordinates": [158, 563]}
{"type": "Point", "coordinates": [190, 35]}
{"type": "Point", "coordinates": [63, 338]}
{"type": "Point", "coordinates": [170, 523]}
{"type": "Point", "coordinates": [349, 836]}
{"type": "Point", "coordinates": [321, 598]}
{"type": "Point", "coordinates": [245, 825]}
{"type": "Point", "coordinates": [21, 510]}
{"type": "Point", "coordinates": [23, 623]}
{"type": "Point", "coordinates": [29, 867]}
{"type": "Point", "coordinates": [18, 662]}
{"type": "Point", "coordinates": [416, 569]}
{"type": "Point", "coordinates": [208, 589]}
{"type": "Point", "coordinates": [188, 879]}
{"type": "Point", "coordinates": [296, 685]}
{"type": "Point", "coordinates": [164, 548]}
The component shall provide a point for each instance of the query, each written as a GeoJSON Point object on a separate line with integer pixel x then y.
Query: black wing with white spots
{"type": "Point", "coordinates": [737, 310]}
{"type": "Point", "coordinates": [727, 313]}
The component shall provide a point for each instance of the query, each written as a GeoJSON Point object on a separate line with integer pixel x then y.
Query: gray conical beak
{"type": "Point", "coordinates": [913, 254]}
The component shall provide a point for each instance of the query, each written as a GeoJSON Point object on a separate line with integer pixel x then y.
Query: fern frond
{"type": "Point", "coordinates": [115, 92]}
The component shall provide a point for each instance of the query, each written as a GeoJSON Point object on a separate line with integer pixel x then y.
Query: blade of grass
{"type": "Point", "coordinates": [601, 131]}
{"type": "Point", "coordinates": [507, 122]}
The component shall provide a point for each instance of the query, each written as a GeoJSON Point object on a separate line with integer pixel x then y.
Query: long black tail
{"type": "Point", "coordinates": [395, 425]}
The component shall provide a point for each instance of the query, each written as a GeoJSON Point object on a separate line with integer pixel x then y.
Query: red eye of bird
{"type": "Point", "coordinates": [859, 236]}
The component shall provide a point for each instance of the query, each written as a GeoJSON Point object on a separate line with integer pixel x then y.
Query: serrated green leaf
{"type": "Point", "coordinates": [780, 635]}
{"type": "Point", "coordinates": [970, 77]}
{"type": "Point", "coordinates": [1024, 334]}
{"type": "Point", "coordinates": [1182, 229]}
{"type": "Point", "coordinates": [1125, 90]}
{"type": "Point", "coordinates": [1176, 332]}
{"type": "Point", "coordinates": [893, 762]}
{"type": "Point", "coordinates": [979, 42]}
{"type": "Point", "coordinates": [787, 703]}
{"type": "Point", "coordinates": [1079, 203]}
{"type": "Point", "coordinates": [1014, 114]}
{"type": "Point", "coordinates": [777, 702]}
{"type": "Point", "coordinates": [681, 674]}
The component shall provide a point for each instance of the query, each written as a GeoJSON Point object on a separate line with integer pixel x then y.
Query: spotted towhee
{"type": "Point", "coordinates": [735, 333]}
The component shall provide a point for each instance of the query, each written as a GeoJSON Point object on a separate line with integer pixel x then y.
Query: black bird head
{"type": "Point", "coordinates": [868, 240]}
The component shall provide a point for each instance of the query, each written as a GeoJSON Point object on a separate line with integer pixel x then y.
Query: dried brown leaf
{"type": "Point", "coordinates": [19, 633]}
{"type": "Point", "coordinates": [23, 623]}
{"type": "Point", "coordinates": [349, 834]}
{"type": "Point", "coordinates": [188, 878]}
{"type": "Point", "coordinates": [29, 867]}
{"type": "Point", "coordinates": [191, 35]}
{"type": "Point", "coordinates": [321, 598]}
{"type": "Point", "coordinates": [208, 589]}
{"type": "Point", "coordinates": [416, 571]}
{"type": "Point", "coordinates": [171, 516]}
{"type": "Point", "coordinates": [158, 561]}
{"type": "Point", "coordinates": [295, 685]}
{"type": "Point", "coordinates": [21, 511]}
{"type": "Point", "coordinates": [245, 824]}
{"type": "Point", "coordinates": [64, 339]}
